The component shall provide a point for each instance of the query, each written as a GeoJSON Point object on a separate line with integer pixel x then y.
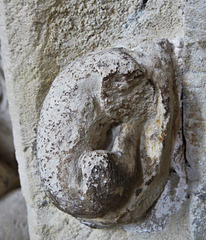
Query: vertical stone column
{"type": "Point", "coordinates": [195, 111]}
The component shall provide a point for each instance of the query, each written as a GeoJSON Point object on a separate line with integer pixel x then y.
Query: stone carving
{"type": "Point", "coordinates": [107, 133]}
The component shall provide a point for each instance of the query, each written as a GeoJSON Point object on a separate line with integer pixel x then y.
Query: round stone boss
{"type": "Point", "coordinates": [106, 134]}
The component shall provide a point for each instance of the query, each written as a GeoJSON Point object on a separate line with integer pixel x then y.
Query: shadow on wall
{"type": "Point", "coordinates": [9, 178]}
{"type": "Point", "coordinates": [13, 214]}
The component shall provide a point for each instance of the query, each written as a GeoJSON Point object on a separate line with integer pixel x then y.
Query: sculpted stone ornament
{"type": "Point", "coordinates": [107, 133]}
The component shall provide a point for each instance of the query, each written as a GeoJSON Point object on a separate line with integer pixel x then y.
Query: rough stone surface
{"type": "Point", "coordinates": [40, 38]}
{"type": "Point", "coordinates": [194, 112]}
{"type": "Point", "coordinates": [13, 220]}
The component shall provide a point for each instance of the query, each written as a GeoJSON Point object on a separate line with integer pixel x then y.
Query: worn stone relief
{"type": "Point", "coordinates": [109, 137]}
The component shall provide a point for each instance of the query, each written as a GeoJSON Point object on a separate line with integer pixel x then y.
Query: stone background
{"type": "Point", "coordinates": [39, 38]}
{"type": "Point", "coordinates": [13, 220]}
{"type": "Point", "coordinates": [194, 112]}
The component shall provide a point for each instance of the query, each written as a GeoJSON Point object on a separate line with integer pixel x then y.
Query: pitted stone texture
{"type": "Point", "coordinates": [107, 132]}
{"type": "Point", "coordinates": [195, 112]}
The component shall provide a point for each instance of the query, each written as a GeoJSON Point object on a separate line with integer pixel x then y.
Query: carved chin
{"type": "Point", "coordinates": [106, 134]}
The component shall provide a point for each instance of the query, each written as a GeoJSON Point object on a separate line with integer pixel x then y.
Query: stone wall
{"type": "Point", "coordinates": [194, 112]}
{"type": "Point", "coordinates": [40, 38]}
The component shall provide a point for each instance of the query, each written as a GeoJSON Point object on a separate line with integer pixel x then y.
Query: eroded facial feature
{"type": "Point", "coordinates": [105, 132]}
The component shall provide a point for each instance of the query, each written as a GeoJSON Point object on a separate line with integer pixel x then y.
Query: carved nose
{"type": "Point", "coordinates": [102, 183]}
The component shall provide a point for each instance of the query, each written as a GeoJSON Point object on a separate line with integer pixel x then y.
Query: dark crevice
{"type": "Point", "coordinates": [108, 133]}
{"type": "Point", "coordinates": [143, 4]}
{"type": "Point", "coordinates": [107, 142]}
{"type": "Point", "coordinates": [183, 136]}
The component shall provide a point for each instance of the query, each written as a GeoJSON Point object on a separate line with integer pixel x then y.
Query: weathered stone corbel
{"type": "Point", "coordinates": [107, 134]}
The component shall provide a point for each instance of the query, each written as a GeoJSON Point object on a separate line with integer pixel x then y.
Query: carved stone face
{"type": "Point", "coordinates": [106, 134]}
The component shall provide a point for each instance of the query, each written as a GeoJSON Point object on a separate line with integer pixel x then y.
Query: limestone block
{"type": "Point", "coordinates": [39, 39]}
{"type": "Point", "coordinates": [195, 113]}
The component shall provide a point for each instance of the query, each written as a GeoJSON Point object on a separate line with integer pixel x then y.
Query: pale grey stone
{"type": "Point", "coordinates": [13, 220]}
{"type": "Point", "coordinates": [195, 112]}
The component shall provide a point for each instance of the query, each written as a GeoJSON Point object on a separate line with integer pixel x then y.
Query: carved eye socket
{"type": "Point", "coordinates": [134, 77]}
{"type": "Point", "coordinates": [90, 171]}
{"type": "Point", "coordinates": [116, 84]}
